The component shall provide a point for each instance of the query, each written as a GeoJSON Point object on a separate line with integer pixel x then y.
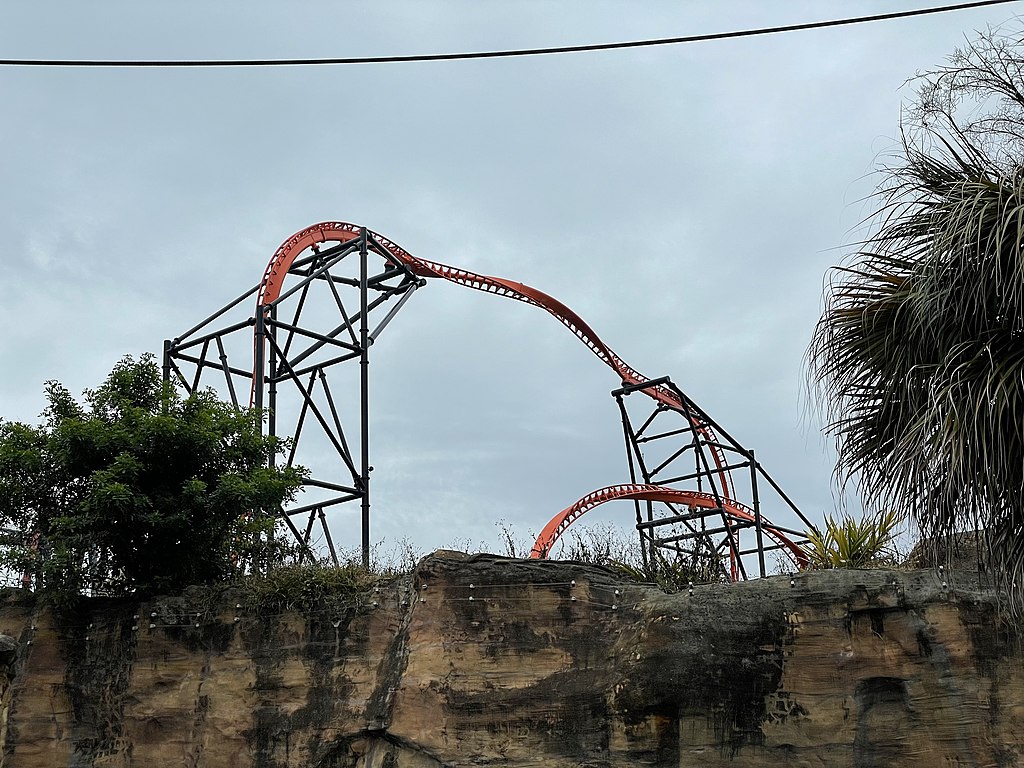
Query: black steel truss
{"type": "Point", "coordinates": [270, 357]}
{"type": "Point", "coordinates": [267, 350]}
{"type": "Point", "coordinates": [684, 445]}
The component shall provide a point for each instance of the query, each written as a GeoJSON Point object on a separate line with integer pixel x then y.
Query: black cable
{"type": "Point", "coordinates": [493, 54]}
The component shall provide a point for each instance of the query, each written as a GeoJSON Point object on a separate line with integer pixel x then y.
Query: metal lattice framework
{"type": "Point", "coordinates": [345, 286]}
{"type": "Point", "coordinates": [662, 451]}
{"type": "Point", "coordinates": [699, 507]}
{"type": "Point", "coordinates": [675, 442]}
{"type": "Point", "coordinates": [345, 283]}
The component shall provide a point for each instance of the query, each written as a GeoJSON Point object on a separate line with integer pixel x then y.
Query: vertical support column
{"type": "Point", "coordinates": [272, 381]}
{"type": "Point", "coordinates": [757, 512]}
{"type": "Point", "coordinates": [633, 457]}
{"type": "Point", "coordinates": [167, 361]}
{"type": "Point", "coordinates": [364, 392]}
{"type": "Point", "coordinates": [167, 373]}
{"type": "Point", "coordinates": [271, 398]}
{"type": "Point", "coordinates": [259, 362]}
{"type": "Point", "coordinates": [631, 446]}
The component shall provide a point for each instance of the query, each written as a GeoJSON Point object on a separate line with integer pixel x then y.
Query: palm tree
{"type": "Point", "coordinates": [918, 357]}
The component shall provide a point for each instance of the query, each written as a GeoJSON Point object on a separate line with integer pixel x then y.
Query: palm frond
{"type": "Point", "coordinates": [919, 355]}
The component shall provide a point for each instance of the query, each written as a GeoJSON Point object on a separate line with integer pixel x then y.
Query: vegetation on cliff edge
{"type": "Point", "coordinates": [919, 355]}
{"type": "Point", "coordinates": [138, 489]}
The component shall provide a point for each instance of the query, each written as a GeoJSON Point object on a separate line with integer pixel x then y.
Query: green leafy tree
{"type": "Point", "coordinates": [139, 489]}
{"type": "Point", "coordinates": [919, 355]}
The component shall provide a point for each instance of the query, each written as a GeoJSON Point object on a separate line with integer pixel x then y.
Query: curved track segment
{"type": "Point", "coordinates": [692, 499]}
{"type": "Point", "coordinates": [336, 231]}
{"type": "Point", "coordinates": [701, 504]}
{"type": "Point", "coordinates": [341, 232]}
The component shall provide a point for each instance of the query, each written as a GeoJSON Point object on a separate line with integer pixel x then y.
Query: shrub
{"type": "Point", "coordinates": [139, 489]}
{"type": "Point", "coordinates": [850, 543]}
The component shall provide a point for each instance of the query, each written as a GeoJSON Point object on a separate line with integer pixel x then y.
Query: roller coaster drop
{"type": "Point", "coordinates": [346, 284]}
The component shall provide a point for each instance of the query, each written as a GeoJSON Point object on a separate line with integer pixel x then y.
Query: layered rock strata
{"type": "Point", "coordinates": [483, 660]}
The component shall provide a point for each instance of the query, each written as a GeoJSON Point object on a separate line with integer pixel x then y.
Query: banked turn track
{"type": "Point", "coordinates": [731, 509]}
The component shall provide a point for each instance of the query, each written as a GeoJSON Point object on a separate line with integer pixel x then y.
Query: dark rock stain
{"type": "Point", "coordinates": [883, 719]}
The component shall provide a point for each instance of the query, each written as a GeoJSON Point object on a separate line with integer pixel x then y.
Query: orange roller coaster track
{"type": "Point", "coordinates": [288, 353]}
{"type": "Point", "coordinates": [698, 504]}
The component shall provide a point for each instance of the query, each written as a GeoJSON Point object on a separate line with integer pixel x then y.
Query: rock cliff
{"type": "Point", "coordinates": [482, 660]}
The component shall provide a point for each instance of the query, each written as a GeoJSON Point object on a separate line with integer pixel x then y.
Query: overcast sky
{"type": "Point", "coordinates": [687, 201]}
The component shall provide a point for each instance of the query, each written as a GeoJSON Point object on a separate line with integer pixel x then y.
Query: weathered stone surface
{"type": "Point", "coordinates": [482, 660]}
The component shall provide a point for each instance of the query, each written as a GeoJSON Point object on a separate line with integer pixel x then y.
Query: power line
{"type": "Point", "coordinates": [494, 54]}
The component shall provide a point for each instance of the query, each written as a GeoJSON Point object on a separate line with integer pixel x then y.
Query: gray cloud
{"type": "Point", "coordinates": [686, 201]}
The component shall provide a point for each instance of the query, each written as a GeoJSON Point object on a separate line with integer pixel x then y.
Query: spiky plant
{"type": "Point", "coordinates": [919, 355]}
{"type": "Point", "coordinates": [848, 542]}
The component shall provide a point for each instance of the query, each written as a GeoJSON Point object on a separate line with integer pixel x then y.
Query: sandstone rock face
{"type": "Point", "coordinates": [482, 660]}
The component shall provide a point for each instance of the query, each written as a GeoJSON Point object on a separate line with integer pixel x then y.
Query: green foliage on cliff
{"type": "Point", "coordinates": [309, 588]}
{"type": "Point", "coordinates": [850, 543]}
{"type": "Point", "coordinates": [138, 489]}
{"type": "Point", "coordinates": [918, 357]}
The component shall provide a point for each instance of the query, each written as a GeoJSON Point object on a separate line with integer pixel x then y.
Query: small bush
{"type": "Point", "coordinates": [621, 550]}
{"type": "Point", "coordinates": [850, 543]}
{"type": "Point", "coordinates": [307, 588]}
